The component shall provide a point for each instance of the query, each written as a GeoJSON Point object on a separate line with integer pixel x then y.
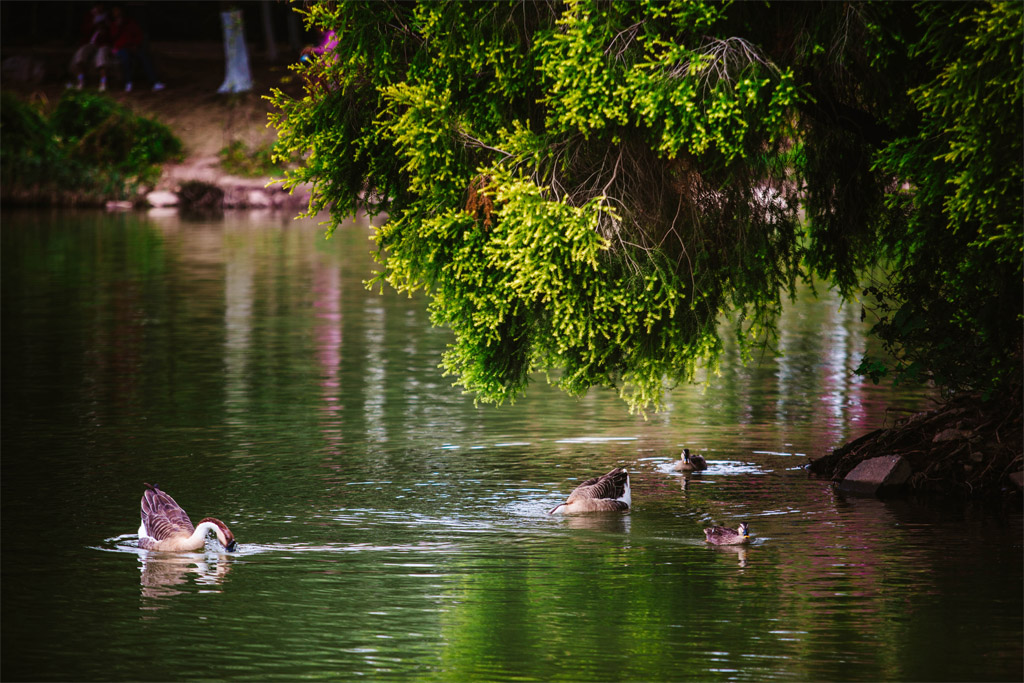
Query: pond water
{"type": "Point", "coordinates": [390, 528]}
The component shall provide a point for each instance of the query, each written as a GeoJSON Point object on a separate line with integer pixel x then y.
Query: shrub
{"type": "Point", "coordinates": [89, 149]}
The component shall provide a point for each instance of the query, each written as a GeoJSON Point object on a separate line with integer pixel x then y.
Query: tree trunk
{"type": "Point", "coordinates": [268, 31]}
{"type": "Point", "coordinates": [294, 32]}
{"type": "Point", "coordinates": [237, 77]}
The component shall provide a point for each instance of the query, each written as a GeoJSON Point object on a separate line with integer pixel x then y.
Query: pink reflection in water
{"type": "Point", "coordinates": [327, 333]}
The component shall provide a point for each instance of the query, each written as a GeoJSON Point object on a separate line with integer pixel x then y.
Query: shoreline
{"type": "Point", "coordinates": [262, 192]}
{"type": "Point", "coordinates": [205, 121]}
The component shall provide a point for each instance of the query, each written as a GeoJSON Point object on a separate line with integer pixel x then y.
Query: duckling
{"type": "Point", "coordinates": [721, 535]}
{"type": "Point", "coordinates": [690, 463]}
{"type": "Point", "coordinates": [607, 493]}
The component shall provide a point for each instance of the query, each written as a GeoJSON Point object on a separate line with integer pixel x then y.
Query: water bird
{"type": "Point", "coordinates": [607, 493]}
{"type": "Point", "coordinates": [723, 535]}
{"type": "Point", "coordinates": [166, 526]}
{"type": "Point", "coordinates": [690, 463]}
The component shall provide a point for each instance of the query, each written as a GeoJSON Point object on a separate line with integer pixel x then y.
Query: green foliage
{"type": "Point", "coordinates": [587, 188]}
{"type": "Point", "coordinates": [30, 152]}
{"type": "Point", "coordinates": [89, 148]}
{"type": "Point", "coordinates": [79, 112]}
{"type": "Point", "coordinates": [238, 159]}
{"type": "Point", "coordinates": [951, 309]}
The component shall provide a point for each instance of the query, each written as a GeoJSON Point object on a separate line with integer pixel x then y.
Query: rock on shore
{"type": "Point", "coordinates": [236, 192]}
{"type": "Point", "coordinates": [967, 446]}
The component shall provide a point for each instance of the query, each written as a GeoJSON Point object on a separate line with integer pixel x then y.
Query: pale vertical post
{"type": "Point", "coordinates": [237, 77]}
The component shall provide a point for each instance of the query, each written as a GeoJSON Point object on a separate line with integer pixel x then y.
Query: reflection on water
{"type": "Point", "coordinates": [390, 528]}
{"type": "Point", "coordinates": [163, 576]}
{"type": "Point", "coordinates": [738, 550]}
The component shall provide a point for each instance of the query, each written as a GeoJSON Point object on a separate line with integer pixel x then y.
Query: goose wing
{"type": "Point", "coordinates": [611, 485]}
{"type": "Point", "coordinates": [604, 505]}
{"type": "Point", "coordinates": [162, 517]}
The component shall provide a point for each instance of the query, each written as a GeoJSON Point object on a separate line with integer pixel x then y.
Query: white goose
{"type": "Point", "coordinates": [165, 526]}
{"type": "Point", "coordinates": [607, 493]}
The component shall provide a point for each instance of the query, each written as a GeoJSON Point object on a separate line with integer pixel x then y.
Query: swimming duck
{"type": "Point", "coordinates": [606, 493]}
{"type": "Point", "coordinates": [165, 526]}
{"type": "Point", "coordinates": [690, 463]}
{"type": "Point", "coordinates": [722, 535]}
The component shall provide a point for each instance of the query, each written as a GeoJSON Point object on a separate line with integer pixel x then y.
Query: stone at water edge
{"type": "Point", "coordinates": [258, 199]}
{"type": "Point", "coordinates": [161, 198]}
{"type": "Point", "coordinates": [883, 473]}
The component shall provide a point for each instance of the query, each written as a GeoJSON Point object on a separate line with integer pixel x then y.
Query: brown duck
{"type": "Point", "coordinates": [723, 535]}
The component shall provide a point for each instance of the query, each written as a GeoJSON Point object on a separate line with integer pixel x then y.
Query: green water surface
{"type": "Point", "coordinates": [389, 528]}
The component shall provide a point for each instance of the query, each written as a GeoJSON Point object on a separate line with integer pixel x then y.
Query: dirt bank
{"type": "Point", "coordinates": [205, 121]}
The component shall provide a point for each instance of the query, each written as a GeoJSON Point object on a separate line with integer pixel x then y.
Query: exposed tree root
{"type": "Point", "coordinates": [965, 447]}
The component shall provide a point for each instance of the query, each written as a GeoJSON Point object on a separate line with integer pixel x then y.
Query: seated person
{"type": "Point", "coordinates": [129, 47]}
{"type": "Point", "coordinates": [94, 47]}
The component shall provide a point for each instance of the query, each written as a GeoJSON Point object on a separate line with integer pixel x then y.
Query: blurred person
{"type": "Point", "coordinates": [94, 47]}
{"type": "Point", "coordinates": [311, 55]}
{"type": "Point", "coordinates": [129, 46]}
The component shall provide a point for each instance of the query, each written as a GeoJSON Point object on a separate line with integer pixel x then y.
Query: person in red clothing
{"type": "Point", "coordinates": [129, 47]}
